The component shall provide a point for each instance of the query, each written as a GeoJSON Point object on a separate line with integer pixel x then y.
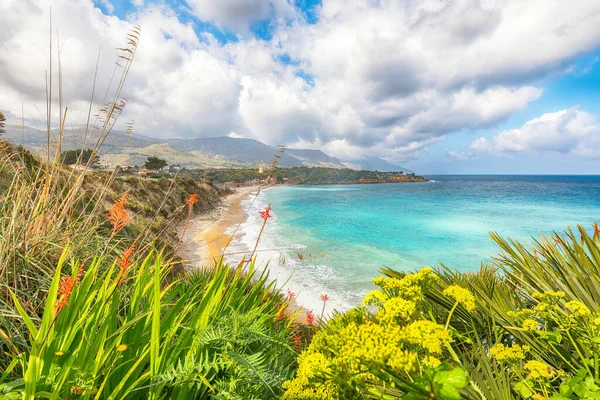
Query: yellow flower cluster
{"type": "Point", "coordinates": [427, 334]}
{"type": "Point", "coordinates": [362, 341]}
{"type": "Point", "coordinates": [539, 370]}
{"type": "Point", "coordinates": [375, 298]}
{"type": "Point", "coordinates": [513, 353]}
{"type": "Point", "coordinates": [431, 361]}
{"type": "Point", "coordinates": [530, 325]}
{"type": "Point", "coordinates": [548, 296]}
{"type": "Point", "coordinates": [396, 309]}
{"type": "Point", "coordinates": [579, 309]}
{"type": "Point", "coordinates": [373, 343]}
{"type": "Point", "coordinates": [409, 287]}
{"type": "Point", "coordinates": [309, 364]}
{"type": "Point", "coordinates": [462, 296]}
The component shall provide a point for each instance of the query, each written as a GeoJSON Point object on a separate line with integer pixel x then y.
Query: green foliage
{"type": "Point", "coordinates": [155, 163]}
{"type": "Point", "coordinates": [545, 300]}
{"type": "Point", "coordinates": [46, 207]}
{"type": "Point", "coordinates": [79, 156]}
{"type": "Point", "coordinates": [209, 335]}
{"type": "Point", "coordinates": [303, 175]}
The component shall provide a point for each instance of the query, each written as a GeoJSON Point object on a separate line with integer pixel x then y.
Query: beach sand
{"type": "Point", "coordinates": [205, 237]}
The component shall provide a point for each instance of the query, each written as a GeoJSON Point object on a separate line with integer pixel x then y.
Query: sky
{"type": "Point", "coordinates": [438, 86]}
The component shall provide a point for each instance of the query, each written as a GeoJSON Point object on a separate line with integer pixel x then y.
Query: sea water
{"type": "Point", "coordinates": [333, 239]}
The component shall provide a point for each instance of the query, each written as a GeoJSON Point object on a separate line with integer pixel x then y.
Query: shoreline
{"type": "Point", "coordinates": [206, 235]}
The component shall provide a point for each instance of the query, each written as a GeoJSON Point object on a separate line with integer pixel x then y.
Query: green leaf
{"type": "Point", "coordinates": [28, 322]}
{"type": "Point", "coordinates": [449, 383]}
{"type": "Point", "coordinates": [523, 390]}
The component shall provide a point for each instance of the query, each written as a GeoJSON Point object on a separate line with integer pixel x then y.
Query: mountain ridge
{"type": "Point", "coordinates": [215, 152]}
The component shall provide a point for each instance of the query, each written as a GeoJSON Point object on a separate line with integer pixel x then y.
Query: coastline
{"type": "Point", "coordinates": [206, 235]}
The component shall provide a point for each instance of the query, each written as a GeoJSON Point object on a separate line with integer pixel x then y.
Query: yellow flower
{"type": "Point", "coordinates": [548, 296]}
{"type": "Point", "coordinates": [530, 325]}
{"type": "Point", "coordinates": [408, 287]}
{"type": "Point", "coordinates": [512, 353]}
{"type": "Point", "coordinates": [396, 308]}
{"type": "Point", "coordinates": [538, 369]}
{"type": "Point", "coordinates": [59, 353]}
{"type": "Point", "coordinates": [431, 361]}
{"type": "Point", "coordinates": [547, 301]}
{"type": "Point", "coordinates": [310, 365]}
{"type": "Point", "coordinates": [375, 297]}
{"type": "Point", "coordinates": [122, 347]}
{"type": "Point", "coordinates": [427, 334]}
{"type": "Point", "coordinates": [373, 343]}
{"type": "Point", "coordinates": [462, 296]}
{"type": "Point", "coordinates": [579, 309]}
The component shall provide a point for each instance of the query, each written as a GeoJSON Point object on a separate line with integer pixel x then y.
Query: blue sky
{"type": "Point", "coordinates": [437, 86]}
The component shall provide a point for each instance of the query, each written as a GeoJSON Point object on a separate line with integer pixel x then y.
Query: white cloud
{"type": "Point", "coordinates": [569, 131]}
{"type": "Point", "coordinates": [107, 5]}
{"type": "Point", "coordinates": [239, 15]}
{"type": "Point", "coordinates": [460, 155]}
{"type": "Point", "coordinates": [388, 78]}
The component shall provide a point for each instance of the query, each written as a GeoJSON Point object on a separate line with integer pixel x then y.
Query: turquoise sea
{"type": "Point", "coordinates": [333, 239]}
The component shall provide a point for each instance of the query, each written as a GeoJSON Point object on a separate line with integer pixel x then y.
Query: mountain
{"type": "Point", "coordinates": [236, 149]}
{"type": "Point", "coordinates": [376, 164]}
{"type": "Point", "coordinates": [217, 152]}
{"type": "Point", "coordinates": [74, 138]}
{"type": "Point", "coordinates": [169, 153]}
{"type": "Point", "coordinates": [316, 157]}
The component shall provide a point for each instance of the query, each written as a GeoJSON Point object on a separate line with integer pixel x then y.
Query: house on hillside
{"type": "Point", "coordinates": [145, 171]}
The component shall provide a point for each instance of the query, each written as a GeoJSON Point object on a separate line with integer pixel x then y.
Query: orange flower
{"type": "Point", "coordinates": [192, 200]}
{"type": "Point", "coordinates": [118, 216]}
{"type": "Point", "coordinates": [310, 317]}
{"type": "Point", "coordinates": [596, 228]}
{"type": "Point", "coordinates": [66, 286]}
{"type": "Point", "coordinates": [265, 214]}
{"type": "Point", "coordinates": [125, 262]}
{"type": "Point", "coordinates": [291, 295]}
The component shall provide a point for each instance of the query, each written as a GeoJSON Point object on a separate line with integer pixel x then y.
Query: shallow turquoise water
{"type": "Point", "coordinates": [354, 230]}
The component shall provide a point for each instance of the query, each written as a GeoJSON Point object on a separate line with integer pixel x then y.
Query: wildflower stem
{"type": "Point", "coordinates": [450, 315]}
{"type": "Point", "coordinates": [579, 352]}
{"type": "Point", "coordinates": [265, 217]}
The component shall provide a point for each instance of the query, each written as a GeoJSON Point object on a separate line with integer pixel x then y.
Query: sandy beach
{"type": "Point", "coordinates": [205, 237]}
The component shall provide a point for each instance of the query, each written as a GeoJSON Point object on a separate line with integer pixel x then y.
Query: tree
{"type": "Point", "coordinates": [155, 163]}
{"type": "Point", "coordinates": [2, 121]}
{"type": "Point", "coordinates": [70, 157]}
